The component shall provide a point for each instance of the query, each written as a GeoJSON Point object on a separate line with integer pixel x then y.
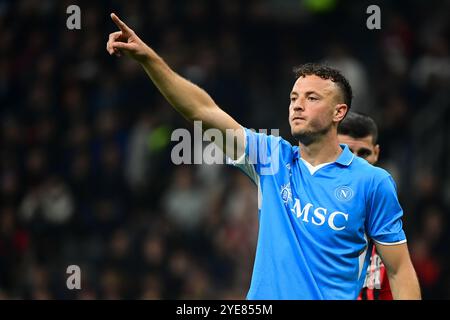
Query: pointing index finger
{"type": "Point", "coordinates": [119, 23]}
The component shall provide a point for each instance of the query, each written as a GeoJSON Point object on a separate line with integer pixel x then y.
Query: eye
{"type": "Point", "coordinates": [293, 99]}
{"type": "Point", "coordinates": [364, 153]}
{"type": "Point", "coordinates": [310, 98]}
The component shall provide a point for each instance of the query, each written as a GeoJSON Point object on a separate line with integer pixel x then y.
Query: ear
{"type": "Point", "coordinates": [340, 110]}
{"type": "Point", "coordinates": [376, 152]}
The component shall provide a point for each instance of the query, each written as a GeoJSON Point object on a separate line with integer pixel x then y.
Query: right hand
{"type": "Point", "coordinates": [126, 41]}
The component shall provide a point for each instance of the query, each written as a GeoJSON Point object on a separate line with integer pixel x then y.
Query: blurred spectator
{"type": "Point", "coordinates": [427, 267]}
{"type": "Point", "coordinates": [151, 287]}
{"type": "Point", "coordinates": [185, 201]}
{"type": "Point", "coordinates": [432, 69]}
{"type": "Point", "coordinates": [52, 201]}
{"type": "Point", "coordinates": [139, 163]}
{"type": "Point", "coordinates": [340, 58]}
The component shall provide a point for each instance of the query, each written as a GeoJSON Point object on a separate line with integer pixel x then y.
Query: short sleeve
{"type": "Point", "coordinates": [384, 223]}
{"type": "Point", "coordinates": [261, 155]}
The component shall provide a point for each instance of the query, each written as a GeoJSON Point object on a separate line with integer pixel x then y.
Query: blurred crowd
{"type": "Point", "coordinates": [86, 176]}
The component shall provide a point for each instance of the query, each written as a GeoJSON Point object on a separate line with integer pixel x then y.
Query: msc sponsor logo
{"type": "Point", "coordinates": [319, 216]}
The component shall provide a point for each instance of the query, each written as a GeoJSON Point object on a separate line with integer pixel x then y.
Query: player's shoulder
{"type": "Point", "coordinates": [263, 134]}
{"type": "Point", "coordinates": [368, 171]}
{"type": "Point", "coordinates": [271, 137]}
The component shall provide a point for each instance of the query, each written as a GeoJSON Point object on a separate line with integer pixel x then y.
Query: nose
{"type": "Point", "coordinates": [298, 106]}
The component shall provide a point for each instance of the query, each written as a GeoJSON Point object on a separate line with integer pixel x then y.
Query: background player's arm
{"type": "Point", "coordinates": [401, 274]}
{"type": "Point", "coordinates": [187, 98]}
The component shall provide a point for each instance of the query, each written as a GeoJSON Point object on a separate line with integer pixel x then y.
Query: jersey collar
{"type": "Point", "coordinates": [345, 158]}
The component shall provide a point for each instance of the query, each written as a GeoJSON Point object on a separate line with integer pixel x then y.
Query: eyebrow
{"type": "Point", "coordinates": [312, 92]}
{"type": "Point", "coordinates": [306, 93]}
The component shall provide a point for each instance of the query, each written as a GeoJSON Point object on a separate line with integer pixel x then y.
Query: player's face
{"type": "Point", "coordinates": [362, 147]}
{"type": "Point", "coordinates": [314, 108]}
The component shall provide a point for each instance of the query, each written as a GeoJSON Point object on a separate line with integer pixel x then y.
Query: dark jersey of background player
{"type": "Point", "coordinates": [360, 133]}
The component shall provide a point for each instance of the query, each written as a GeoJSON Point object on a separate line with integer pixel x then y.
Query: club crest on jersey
{"type": "Point", "coordinates": [286, 193]}
{"type": "Point", "coordinates": [343, 193]}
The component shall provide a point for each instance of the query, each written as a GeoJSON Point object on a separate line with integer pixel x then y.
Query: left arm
{"type": "Point", "coordinates": [400, 271]}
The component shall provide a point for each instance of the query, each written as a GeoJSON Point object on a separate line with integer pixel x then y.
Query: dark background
{"type": "Point", "coordinates": [86, 176]}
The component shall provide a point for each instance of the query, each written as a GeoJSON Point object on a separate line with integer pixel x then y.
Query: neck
{"type": "Point", "coordinates": [326, 149]}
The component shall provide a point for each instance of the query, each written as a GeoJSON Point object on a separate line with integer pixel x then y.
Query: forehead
{"type": "Point", "coordinates": [356, 143]}
{"type": "Point", "coordinates": [314, 83]}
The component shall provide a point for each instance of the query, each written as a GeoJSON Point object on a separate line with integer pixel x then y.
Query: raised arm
{"type": "Point", "coordinates": [187, 98]}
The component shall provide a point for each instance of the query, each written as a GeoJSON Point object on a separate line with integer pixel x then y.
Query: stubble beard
{"type": "Point", "coordinates": [308, 136]}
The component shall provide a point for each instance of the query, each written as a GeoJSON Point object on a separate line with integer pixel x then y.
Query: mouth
{"type": "Point", "coordinates": [297, 118]}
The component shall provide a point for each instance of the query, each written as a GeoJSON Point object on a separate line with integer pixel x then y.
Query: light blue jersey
{"type": "Point", "coordinates": [315, 225]}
